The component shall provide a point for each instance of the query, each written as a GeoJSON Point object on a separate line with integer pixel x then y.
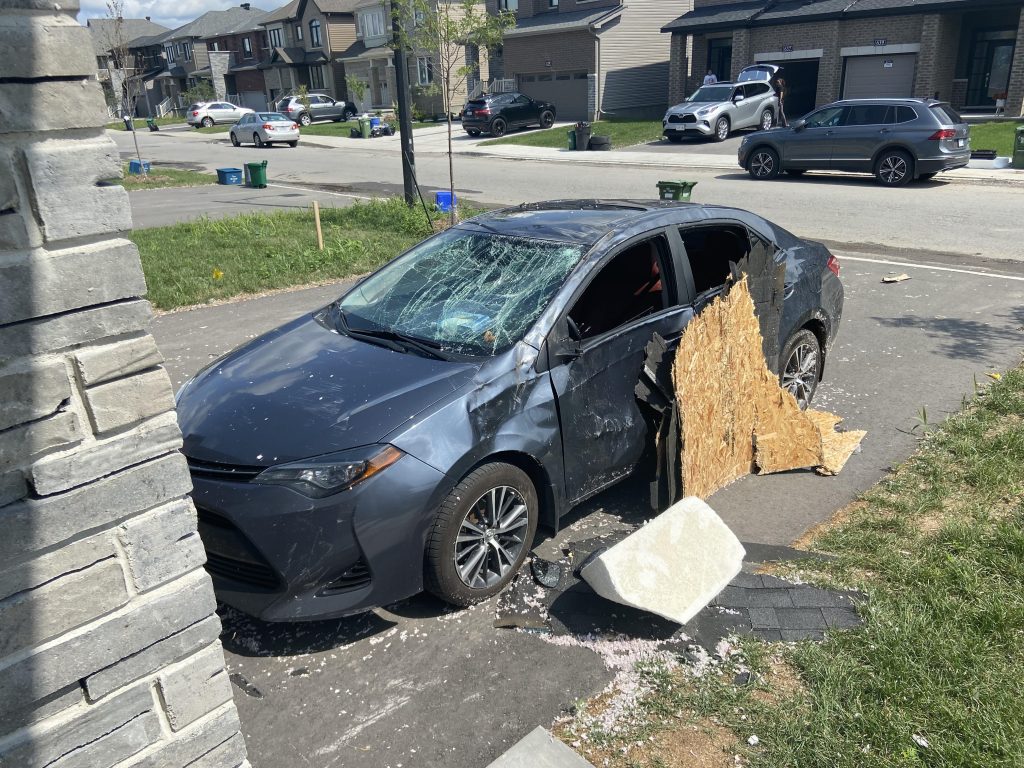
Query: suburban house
{"type": "Point", "coordinates": [306, 39]}
{"type": "Point", "coordinates": [967, 52]}
{"type": "Point", "coordinates": [370, 59]}
{"type": "Point", "coordinates": [591, 58]}
{"type": "Point", "coordinates": [187, 55]}
{"type": "Point", "coordinates": [245, 44]}
{"type": "Point", "coordinates": [108, 34]}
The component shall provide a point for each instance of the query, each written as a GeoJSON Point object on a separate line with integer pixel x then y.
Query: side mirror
{"type": "Point", "coordinates": [798, 125]}
{"type": "Point", "coordinates": [738, 98]}
{"type": "Point", "coordinates": [568, 348]}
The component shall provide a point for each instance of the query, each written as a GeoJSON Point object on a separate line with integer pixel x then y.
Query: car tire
{"type": "Point", "coordinates": [234, 140]}
{"type": "Point", "coordinates": [547, 118]}
{"type": "Point", "coordinates": [498, 127]}
{"type": "Point", "coordinates": [763, 164]}
{"type": "Point", "coordinates": [293, 144]}
{"type": "Point", "coordinates": [473, 132]}
{"type": "Point", "coordinates": [464, 562]}
{"type": "Point", "coordinates": [674, 138]}
{"type": "Point", "coordinates": [207, 122]}
{"type": "Point", "coordinates": [722, 129]}
{"type": "Point", "coordinates": [767, 120]}
{"type": "Point", "coordinates": [256, 140]}
{"type": "Point", "coordinates": [305, 119]}
{"type": "Point", "coordinates": [348, 114]}
{"type": "Point", "coordinates": [800, 366]}
{"type": "Point", "coordinates": [894, 168]}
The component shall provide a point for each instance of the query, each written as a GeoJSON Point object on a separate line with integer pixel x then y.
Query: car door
{"type": "Point", "coordinates": [222, 112]}
{"type": "Point", "coordinates": [745, 112]}
{"type": "Point", "coordinates": [810, 146]}
{"type": "Point", "coordinates": [596, 351]}
{"type": "Point", "coordinates": [528, 113]}
{"type": "Point", "coordinates": [862, 130]}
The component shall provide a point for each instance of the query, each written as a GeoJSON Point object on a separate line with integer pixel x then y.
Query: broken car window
{"type": "Point", "coordinates": [710, 249]}
{"type": "Point", "coordinates": [629, 287]}
{"type": "Point", "coordinates": [470, 293]}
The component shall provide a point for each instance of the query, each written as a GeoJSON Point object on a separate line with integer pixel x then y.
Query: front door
{"type": "Point", "coordinates": [864, 129]}
{"type": "Point", "coordinates": [811, 146]}
{"type": "Point", "coordinates": [630, 299]}
{"type": "Point", "coordinates": [989, 77]}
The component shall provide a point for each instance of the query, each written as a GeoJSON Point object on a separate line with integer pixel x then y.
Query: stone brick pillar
{"type": "Point", "coordinates": [1015, 94]}
{"type": "Point", "coordinates": [924, 84]}
{"type": "Point", "coordinates": [830, 67]}
{"type": "Point", "coordinates": [109, 644]}
{"type": "Point", "coordinates": [679, 69]}
{"type": "Point", "coordinates": [742, 56]}
{"type": "Point", "coordinates": [220, 62]}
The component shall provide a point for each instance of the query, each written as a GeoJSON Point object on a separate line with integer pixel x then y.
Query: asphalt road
{"type": "Point", "coordinates": [936, 217]}
{"type": "Point", "coordinates": [417, 684]}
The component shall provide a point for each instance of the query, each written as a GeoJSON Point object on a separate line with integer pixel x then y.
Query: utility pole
{"type": "Point", "coordinates": [404, 113]}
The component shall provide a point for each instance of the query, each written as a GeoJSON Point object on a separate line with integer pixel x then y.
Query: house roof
{"type": "Point", "coordinates": [284, 13]}
{"type": "Point", "coordinates": [294, 56]}
{"type": "Point", "coordinates": [746, 13]}
{"type": "Point", "coordinates": [548, 23]}
{"type": "Point", "coordinates": [214, 23]}
{"type": "Point", "coordinates": [337, 6]}
{"type": "Point", "coordinates": [104, 31]}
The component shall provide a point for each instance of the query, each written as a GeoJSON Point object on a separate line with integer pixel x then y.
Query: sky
{"type": "Point", "coordinates": [170, 13]}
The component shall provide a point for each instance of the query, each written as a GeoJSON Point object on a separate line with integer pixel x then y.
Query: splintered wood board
{"type": "Point", "coordinates": [735, 417]}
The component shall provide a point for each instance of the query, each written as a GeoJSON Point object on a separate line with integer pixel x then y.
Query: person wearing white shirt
{"type": "Point", "coordinates": [709, 78]}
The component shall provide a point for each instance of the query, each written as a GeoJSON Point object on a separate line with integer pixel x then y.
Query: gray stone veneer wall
{"type": "Point", "coordinates": [109, 649]}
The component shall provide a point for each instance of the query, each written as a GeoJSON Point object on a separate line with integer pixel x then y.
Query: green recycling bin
{"type": "Point", "coordinates": [1018, 149]}
{"type": "Point", "coordinates": [676, 190]}
{"type": "Point", "coordinates": [572, 139]}
{"type": "Point", "coordinates": [364, 127]}
{"type": "Point", "coordinates": [257, 174]}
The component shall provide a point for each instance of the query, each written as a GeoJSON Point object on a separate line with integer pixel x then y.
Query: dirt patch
{"type": "Point", "coordinates": [700, 745]}
{"type": "Point", "coordinates": [840, 518]}
{"type": "Point", "coordinates": [781, 682]}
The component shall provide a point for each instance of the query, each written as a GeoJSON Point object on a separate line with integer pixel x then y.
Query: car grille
{"type": "Point", "coordinates": [230, 555]}
{"type": "Point", "coordinates": [687, 119]}
{"type": "Point", "coordinates": [216, 471]}
{"type": "Point", "coordinates": [356, 576]}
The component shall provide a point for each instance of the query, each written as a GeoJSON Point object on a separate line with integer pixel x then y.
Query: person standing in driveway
{"type": "Point", "coordinates": [710, 78]}
{"type": "Point", "coordinates": [779, 85]}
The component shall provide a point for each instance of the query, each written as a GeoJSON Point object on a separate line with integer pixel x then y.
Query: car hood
{"type": "Point", "coordinates": [692, 106]}
{"type": "Point", "coordinates": [304, 390]}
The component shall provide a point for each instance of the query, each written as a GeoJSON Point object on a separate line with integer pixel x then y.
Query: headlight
{"type": "Point", "coordinates": [326, 475]}
{"type": "Point", "coordinates": [705, 110]}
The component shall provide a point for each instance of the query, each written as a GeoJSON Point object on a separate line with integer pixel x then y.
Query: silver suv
{"type": "Point", "coordinates": [321, 107]}
{"type": "Point", "coordinates": [717, 110]}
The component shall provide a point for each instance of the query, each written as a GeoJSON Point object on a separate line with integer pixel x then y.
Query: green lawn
{"type": "Point", "coordinates": [216, 128]}
{"type": "Point", "coordinates": [196, 262]}
{"type": "Point", "coordinates": [995, 135]}
{"type": "Point", "coordinates": [140, 123]}
{"type": "Point", "coordinates": [624, 133]}
{"type": "Point", "coordinates": [164, 177]}
{"type": "Point", "coordinates": [933, 676]}
{"type": "Point", "coordinates": [344, 129]}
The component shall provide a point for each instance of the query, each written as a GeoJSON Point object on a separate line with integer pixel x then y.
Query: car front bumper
{"type": "Point", "coordinates": [278, 555]}
{"type": "Point", "coordinates": [701, 127]}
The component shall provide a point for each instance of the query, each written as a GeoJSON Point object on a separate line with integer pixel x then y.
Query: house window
{"type": "Point", "coordinates": [371, 24]}
{"type": "Point", "coordinates": [298, 32]}
{"type": "Point", "coordinates": [508, 5]}
{"type": "Point", "coordinates": [170, 53]}
{"type": "Point", "coordinates": [424, 70]}
{"type": "Point", "coordinates": [215, 46]}
{"type": "Point", "coordinates": [418, 18]}
{"type": "Point", "coordinates": [247, 47]}
{"type": "Point", "coordinates": [316, 78]}
{"type": "Point", "coordinates": [274, 36]}
{"type": "Point", "coordinates": [187, 51]}
{"type": "Point", "coordinates": [552, 3]}
{"type": "Point", "coordinates": [314, 34]}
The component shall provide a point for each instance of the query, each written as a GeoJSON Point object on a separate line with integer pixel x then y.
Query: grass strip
{"type": "Point", "coordinates": [933, 676]}
{"type": "Point", "coordinates": [160, 177]}
{"type": "Point", "coordinates": [210, 259]}
{"type": "Point", "coordinates": [624, 133]}
{"type": "Point", "coordinates": [997, 135]}
{"type": "Point", "coordinates": [140, 123]}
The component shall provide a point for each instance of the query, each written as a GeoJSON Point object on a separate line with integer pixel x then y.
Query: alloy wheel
{"type": "Point", "coordinates": [491, 537]}
{"type": "Point", "coordinates": [893, 169]}
{"type": "Point", "coordinates": [766, 120]}
{"type": "Point", "coordinates": [763, 164]}
{"type": "Point", "coordinates": [722, 129]}
{"type": "Point", "coordinates": [801, 374]}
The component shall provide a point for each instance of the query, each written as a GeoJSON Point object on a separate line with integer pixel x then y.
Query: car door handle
{"type": "Point", "coordinates": [884, 130]}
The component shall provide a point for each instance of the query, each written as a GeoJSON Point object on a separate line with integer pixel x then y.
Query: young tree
{"type": "Point", "coordinates": [121, 66]}
{"type": "Point", "coordinates": [444, 30]}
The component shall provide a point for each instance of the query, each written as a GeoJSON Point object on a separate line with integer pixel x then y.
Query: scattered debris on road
{"type": "Point", "coordinates": [892, 277]}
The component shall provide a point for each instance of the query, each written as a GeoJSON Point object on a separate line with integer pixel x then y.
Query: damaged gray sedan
{"type": "Point", "coordinates": [414, 434]}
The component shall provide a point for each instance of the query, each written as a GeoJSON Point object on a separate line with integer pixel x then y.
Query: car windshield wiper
{"type": "Point", "coordinates": [394, 340]}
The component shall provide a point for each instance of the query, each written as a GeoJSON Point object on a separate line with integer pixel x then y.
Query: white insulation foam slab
{"type": "Point", "coordinates": [673, 566]}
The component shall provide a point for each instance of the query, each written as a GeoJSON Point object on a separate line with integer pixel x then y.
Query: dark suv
{"type": "Point", "coordinates": [321, 107]}
{"type": "Point", "coordinates": [897, 140]}
{"type": "Point", "coordinates": [497, 113]}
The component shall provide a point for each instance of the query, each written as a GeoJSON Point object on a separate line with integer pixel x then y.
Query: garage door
{"type": "Point", "coordinates": [566, 90]}
{"type": "Point", "coordinates": [253, 100]}
{"type": "Point", "coordinates": [877, 77]}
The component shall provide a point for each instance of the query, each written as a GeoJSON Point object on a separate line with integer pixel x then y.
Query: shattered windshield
{"type": "Point", "coordinates": [468, 292]}
{"type": "Point", "coordinates": [711, 93]}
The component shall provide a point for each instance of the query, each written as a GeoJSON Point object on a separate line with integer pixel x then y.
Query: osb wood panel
{"type": "Point", "coordinates": [735, 417]}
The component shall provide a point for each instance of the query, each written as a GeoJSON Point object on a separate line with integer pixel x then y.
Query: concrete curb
{"type": "Point", "coordinates": [539, 749]}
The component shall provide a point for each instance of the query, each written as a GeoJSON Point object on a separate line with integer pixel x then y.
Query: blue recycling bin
{"type": "Point", "coordinates": [229, 175]}
{"type": "Point", "coordinates": [374, 123]}
{"type": "Point", "coordinates": [443, 200]}
{"type": "Point", "coordinates": [134, 168]}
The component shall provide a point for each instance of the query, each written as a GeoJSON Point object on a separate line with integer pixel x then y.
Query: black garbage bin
{"type": "Point", "coordinates": [583, 131]}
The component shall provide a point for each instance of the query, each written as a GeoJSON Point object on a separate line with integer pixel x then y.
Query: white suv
{"type": "Point", "coordinates": [206, 113]}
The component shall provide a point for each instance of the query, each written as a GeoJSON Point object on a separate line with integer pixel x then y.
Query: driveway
{"type": "Point", "coordinates": [420, 684]}
{"type": "Point", "coordinates": [693, 145]}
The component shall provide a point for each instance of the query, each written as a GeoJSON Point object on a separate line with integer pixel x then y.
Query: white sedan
{"type": "Point", "coordinates": [264, 129]}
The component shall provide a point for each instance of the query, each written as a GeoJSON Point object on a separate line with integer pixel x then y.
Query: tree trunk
{"type": "Point", "coordinates": [454, 219]}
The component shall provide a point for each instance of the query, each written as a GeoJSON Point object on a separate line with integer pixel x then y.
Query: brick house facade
{"type": "Point", "coordinates": [967, 52]}
{"type": "Point", "coordinates": [244, 82]}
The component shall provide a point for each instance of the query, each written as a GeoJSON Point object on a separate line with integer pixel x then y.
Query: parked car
{"type": "Point", "coordinates": [897, 140]}
{"type": "Point", "coordinates": [413, 434]}
{"type": "Point", "coordinates": [497, 113]}
{"type": "Point", "coordinates": [717, 110]}
{"type": "Point", "coordinates": [758, 72]}
{"type": "Point", "coordinates": [264, 129]}
{"type": "Point", "coordinates": [206, 113]}
{"type": "Point", "coordinates": [321, 107]}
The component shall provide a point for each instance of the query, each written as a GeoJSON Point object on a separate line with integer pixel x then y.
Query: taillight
{"type": "Point", "coordinates": [268, 127]}
{"type": "Point", "coordinates": [195, 114]}
{"type": "Point", "coordinates": [484, 111]}
{"type": "Point", "coordinates": [295, 126]}
{"type": "Point", "coordinates": [833, 265]}
{"type": "Point", "coordinates": [943, 133]}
